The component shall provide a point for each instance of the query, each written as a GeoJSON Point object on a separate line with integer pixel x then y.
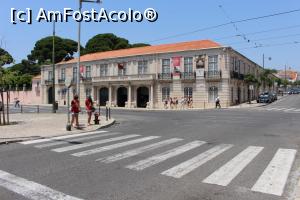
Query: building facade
{"type": "Point", "coordinates": [147, 76]}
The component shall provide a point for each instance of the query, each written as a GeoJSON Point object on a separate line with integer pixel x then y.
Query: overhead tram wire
{"type": "Point", "coordinates": [267, 38]}
{"type": "Point", "coordinates": [225, 24]}
{"type": "Point", "coordinates": [260, 32]}
{"type": "Point", "coordinates": [271, 45]}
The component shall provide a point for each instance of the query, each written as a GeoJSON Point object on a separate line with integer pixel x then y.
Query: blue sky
{"type": "Point", "coordinates": [175, 17]}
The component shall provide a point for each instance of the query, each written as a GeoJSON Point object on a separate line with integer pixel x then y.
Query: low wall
{"type": "Point", "coordinates": [25, 97]}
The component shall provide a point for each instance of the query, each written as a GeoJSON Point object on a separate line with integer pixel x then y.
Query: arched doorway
{"type": "Point", "coordinates": [142, 97]}
{"type": "Point", "coordinates": [103, 96]}
{"type": "Point", "coordinates": [50, 95]}
{"type": "Point", "coordinates": [121, 96]}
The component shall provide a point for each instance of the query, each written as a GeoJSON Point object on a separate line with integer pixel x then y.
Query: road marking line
{"type": "Point", "coordinates": [289, 109]}
{"type": "Point", "coordinates": [61, 137]}
{"type": "Point", "coordinates": [74, 140]}
{"type": "Point", "coordinates": [224, 175]}
{"type": "Point", "coordinates": [140, 165]}
{"type": "Point", "coordinates": [79, 146]}
{"type": "Point", "coordinates": [29, 189]}
{"type": "Point", "coordinates": [269, 109]}
{"type": "Point", "coordinates": [114, 146]}
{"type": "Point", "coordinates": [137, 151]}
{"type": "Point", "coordinates": [190, 165]}
{"type": "Point", "coordinates": [274, 177]}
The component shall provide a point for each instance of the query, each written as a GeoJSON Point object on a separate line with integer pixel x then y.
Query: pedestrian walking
{"type": "Point", "coordinates": [182, 103]}
{"type": "Point", "coordinates": [17, 103]}
{"type": "Point", "coordinates": [176, 103]}
{"type": "Point", "coordinates": [218, 104]}
{"type": "Point", "coordinates": [75, 109]}
{"type": "Point", "coordinates": [89, 106]}
{"type": "Point", "coordinates": [166, 103]}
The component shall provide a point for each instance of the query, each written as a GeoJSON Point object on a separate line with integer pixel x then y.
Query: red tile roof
{"type": "Point", "coordinates": [163, 48]}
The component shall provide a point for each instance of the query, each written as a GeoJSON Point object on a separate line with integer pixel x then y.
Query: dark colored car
{"type": "Point", "coordinates": [274, 96]}
{"type": "Point", "coordinates": [265, 97]}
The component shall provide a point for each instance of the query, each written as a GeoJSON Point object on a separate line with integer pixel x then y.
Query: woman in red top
{"type": "Point", "coordinates": [89, 108]}
{"type": "Point", "coordinates": [75, 109]}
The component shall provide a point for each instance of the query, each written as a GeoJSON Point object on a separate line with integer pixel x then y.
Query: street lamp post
{"type": "Point", "coordinates": [53, 70]}
{"type": "Point", "coordinates": [78, 47]}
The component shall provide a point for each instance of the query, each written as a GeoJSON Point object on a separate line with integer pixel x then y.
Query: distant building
{"type": "Point", "coordinates": [147, 76]}
{"type": "Point", "coordinates": [289, 74]}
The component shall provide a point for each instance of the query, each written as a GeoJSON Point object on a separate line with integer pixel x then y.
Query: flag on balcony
{"type": "Point", "coordinates": [176, 61]}
{"type": "Point", "coordinates": [120, 65]}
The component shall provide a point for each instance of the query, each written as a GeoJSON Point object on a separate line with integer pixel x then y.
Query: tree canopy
{"type": "Point", "coordinates": [42, 51]}
{"type": "Point", "coordinates": [5, 58]}
{"type": "Point", "coordinates": [108, 42]}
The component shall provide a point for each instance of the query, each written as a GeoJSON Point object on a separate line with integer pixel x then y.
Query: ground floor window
{"type": "Point", "coordinates": [165, 93]}
{"type": "Point", "coordinates": [212, 94]}
{"type": "Point", "coordinates": [188, 92]}
{"type": "Point", "coordinates": [88, 92]}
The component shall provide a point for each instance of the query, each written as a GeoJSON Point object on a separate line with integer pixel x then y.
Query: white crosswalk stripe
{"type": "Point", "coordinates": [230, 170]}
{"type": "Point", "coordinates": [51, 144]}
{"type": "Point", "coordinates": [138, 151]}
{"type": "Point", "coordinates": [29, 189]}
{"type": "Point", "coordinates": [97, 142]}
{"type": "Point", "coordinates": [61, 137]}
{"type": "Point", "coordinates": [273, 179]}
{"type": "Point", "coordinates": [140, 165]}
{"type": "Point", "coordinates": [114, 146]}
{"type": "Point", "coordinates": [190, 165]}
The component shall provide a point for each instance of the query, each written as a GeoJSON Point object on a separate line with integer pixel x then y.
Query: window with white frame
{"type": "Point", "coordinates": [63, 74]}
{"type": "Point", "coordinates": [213, 63]}
{"type": "Point", "coordinates": [75, 73]}
{"type": "Point", "coordinates": [166, 66]}
{"type": "Point", "coordinates": [50, 75]}
{"type": "Point", "coordinates": [165, 91]}
{"type": "Point", "coordinates": [103, 70]}
{"type": "Point", "coordinates": [188, 64]}
{"type": "Point", "coordinates": [212, 94]}
{"type": "Point", "coordinates": [188, 92]}
{"type": "Point", "coordinates": [88, 92]}
{"type": "Point", "coordinates": [88, 72]}
{"type": "Point", "coordinates": [142, 67]}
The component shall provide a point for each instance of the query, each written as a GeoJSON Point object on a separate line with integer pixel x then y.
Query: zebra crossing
{"type": "Point", "coordinates": [272, 179]}
{"type": "Point", "coordinates": [277, 109]}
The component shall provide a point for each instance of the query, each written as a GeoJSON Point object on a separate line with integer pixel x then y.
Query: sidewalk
{"type": "Point", "coordinates": [32, 126]}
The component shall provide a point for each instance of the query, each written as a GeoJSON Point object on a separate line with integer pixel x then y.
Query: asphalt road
{"type": "Point", "coordinates": [226, 154]}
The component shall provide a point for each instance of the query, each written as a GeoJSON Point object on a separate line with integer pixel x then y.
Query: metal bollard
{"type": "Point", "coordinates": [109, 112]}
{"type": "Point", "coordinates": [21, 109]}
{"type": "Point", "coordinates": [106, 113]}
{"type": "Point", "coordinates": [38, 109]}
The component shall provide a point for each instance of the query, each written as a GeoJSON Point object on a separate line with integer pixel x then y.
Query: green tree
{"type": "Point", "coordinates": [5, 58]}
{"type": "Point", "coordinates": [139, 45]}
{"type": "Point", "coordinates": [25, 67]}
{"type": "Point", "coordinates": [105, 42]}
{"type": "Point", "coordinates": [42, 51]}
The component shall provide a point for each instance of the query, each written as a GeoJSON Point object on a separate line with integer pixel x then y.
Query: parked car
{"type": "Point", "coordinates": [274, 96]}
{"type": "Point", "coordinates": [265, 97]}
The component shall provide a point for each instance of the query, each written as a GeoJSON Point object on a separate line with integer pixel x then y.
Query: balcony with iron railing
{"type": "Point", "coordinates": [165, 77]}
{"type": "Point", "coordinates": [237, 75]}
{"type": "Point", "coordinates": [48, 82]}
{"type": "Point", "coordinates": [87, 79]}
{"type": "Point", "coordinates": [213, 75]}
{"type": "Point", "coordinates": [61, 81]}
{"type": "Point", "coordinates": [188, 76]}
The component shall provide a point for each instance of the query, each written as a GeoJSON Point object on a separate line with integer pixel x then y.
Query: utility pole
{"type": "Point", "coordinates": [78, 47]}
{"type": "Point", "coordinates": [53, 70]}
{"type": "Point", "coordinates": [263, 61]}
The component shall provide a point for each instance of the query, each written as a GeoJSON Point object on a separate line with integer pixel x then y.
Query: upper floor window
{"type": "Point", "coordinates": [103, 70]}
{"type": "Point", "coordinates": [75, 73]}
{"type": "Point", "coordinates": [213, 63]}
{"type": "Point", "coordinates": [142, 67]}
{"type": "Point", "coordinates": [88, 92]}
{"type": "Point", "coordinates": [50, 75]}
{"type": "Point", "coordinates": [63, 74]}
{"type": "Point", "coordinates": [88, 72]}
{"type": "Point", "coordinates": [188, 64]}
{"type": "Point", "coordinates": [121, 69]}
{"type": "Point", "coordinates": [166, 66]}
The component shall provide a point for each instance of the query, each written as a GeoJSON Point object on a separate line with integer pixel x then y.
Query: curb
{"type": "Point", "coordinates": [113, 121]}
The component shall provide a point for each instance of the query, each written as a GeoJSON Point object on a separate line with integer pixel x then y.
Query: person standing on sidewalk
{"type": "Point", "coordinates": [218, 104]}
{"type": "Point", "coordinates": [75, 109]}
{"type": "Point", "coordinates": [89, 108]}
